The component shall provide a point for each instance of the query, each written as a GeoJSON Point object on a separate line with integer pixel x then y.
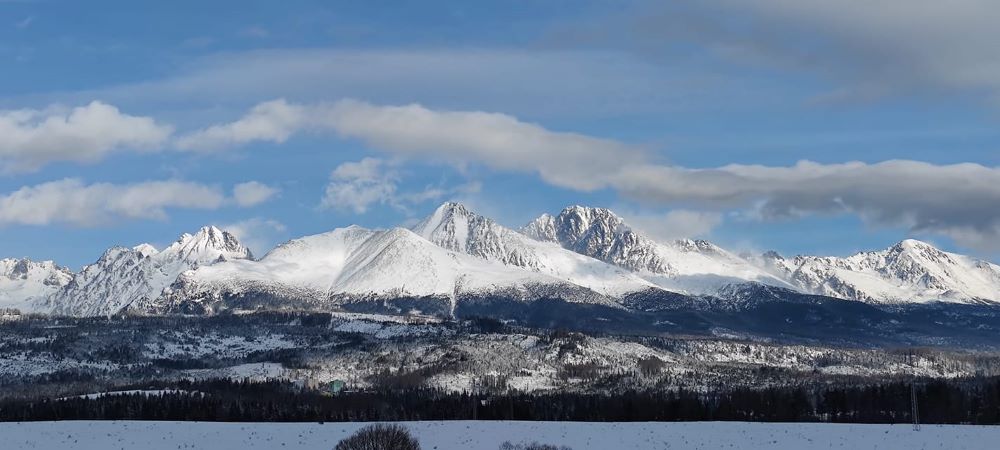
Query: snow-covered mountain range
{"type": "Point", "coordinates": [910, 271]}
{"type": "Point", "coordinates": [584, 255]}
{"type": "Point", "coordinates": [131, 277]}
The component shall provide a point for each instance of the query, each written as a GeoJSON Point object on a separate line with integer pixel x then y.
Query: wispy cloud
{"type": "Point", "coordinates": [72, 202]}
{"type": "Point", "coordinates": [25, 23]}
{"type": "Point", "coordinates": [674, 224]}
{"type": "Point", "coordinates": [257, 32]}
{"type": "Point", "coordinates": [257, 233]}
{"type": "Point", "coordinates": [198, 41]}
{"type": "Point", "coordinates": [543, 82]}
{"type": "Point", "coordinates": [358, 185]}
{"type": "Point", "coordinates": [253, 193]}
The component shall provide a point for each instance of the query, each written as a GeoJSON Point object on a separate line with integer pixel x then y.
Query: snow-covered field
{"type": "Point", "coordinates": [463, 435]}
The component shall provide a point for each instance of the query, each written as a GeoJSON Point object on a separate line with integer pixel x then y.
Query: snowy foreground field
{"type": "Point", "coordinates": [462, 435]}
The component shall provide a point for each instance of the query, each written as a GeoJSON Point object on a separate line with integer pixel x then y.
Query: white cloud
{"type": "Point", "coordinates": [413, 131]}
{"type": "Point", "coordinates": [272, 121]}
{"type": "Point", "coordinates": [72, 202]}
{"type": "Point", "coordinates": [496, 140]}
{"type": "Point", "coordinates": [959, 200]}
{"type": "Point", "coordinates": [985, 240]}
{"type": "Point", "coordinates": [30, 139]}
{"type": "Point", "coordinates": [356, 186]}
{"type": "Point", "coordinates": [252, 193]}
{"type": "Point", "coordinates": [258, 234]}
{"type": "Point", "coordinates": [675, 224]}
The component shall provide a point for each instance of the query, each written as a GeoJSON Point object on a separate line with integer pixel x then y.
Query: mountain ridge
{"type": "Point", "coordinates": [910, 270]}
{"type": "Point", "coordinates": [582, 254]}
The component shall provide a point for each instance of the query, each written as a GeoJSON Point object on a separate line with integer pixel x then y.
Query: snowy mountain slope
{"type": "Point", "coordinates": [910, 271]}
{"type": "Point", "coordinates": [355, 263]}
{"type": "Point", "coordinates": [455, 227]}
{"type": "Point", "coordinates": [688, 266]}
{"type": "Point", "coordinates": [398, 260]}
{"type": "Point", "coordinates": [129, 277]}
{"type": "Point", "coordinates": [24, 280]}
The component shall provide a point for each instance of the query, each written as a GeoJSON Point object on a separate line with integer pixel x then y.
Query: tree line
{"type": "Point", "coordinates": [971, 400]}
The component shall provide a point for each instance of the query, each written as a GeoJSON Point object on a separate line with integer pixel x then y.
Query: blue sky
{"type": "Point", "coordinates": [689, 118]}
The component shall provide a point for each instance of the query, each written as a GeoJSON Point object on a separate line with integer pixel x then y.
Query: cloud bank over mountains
{"type": "Point", "coordinates": [918, 195]}
{"type": "Point", "coordinates": [958, 200]}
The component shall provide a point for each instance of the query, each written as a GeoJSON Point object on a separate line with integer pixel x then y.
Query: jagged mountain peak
{"type": "Point", "coordinates": [917, 249]}
{"type": "Point", "coordinates": [451, 225]}
{"type": "Point", "coordinates": [698, 245]}
{"type": "Point", "coordinates": [447, 212]}
{"type": "Point", "coordinates": [456, 228]}
{"type": "Point", "coordinates": [577, 222]}
{"type": "Point", "coordinates": [589, 211]}
{"type": "Point", "coordinates": [126, 277]}
{"type": "Point", "coordinates": [23, 281]}
{"type": "Point", "coordinates": [452, 207]}
{"type": "Point", "coordinates": [207, 234]}
{"type": "Point", "coordinates": [146, 250]}
{"type": "Point", "coordinates": [686, 265]}
{"type": "Point", "coordinates": [913, 244]}
{"type": "Point", "coordinates": [22, 267]}
{"type": "Point", "coordinates": [598, 233]}
{"type": "Point", "coordinates": [207, 245]}
{"type": "Point", "coordinates": [772, 255]}
{"type": "Point", "coordinates": [543, 228]}
{"type": "Point", "coordinates": [910, 270]}
{"type": "Point", "coordinates": [116, 252]}
{"type": "Point", "coordinates": [910, 253]}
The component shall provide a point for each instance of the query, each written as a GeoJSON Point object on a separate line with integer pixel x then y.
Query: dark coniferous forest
{"type": "Point", "coordinates": [966, 401]}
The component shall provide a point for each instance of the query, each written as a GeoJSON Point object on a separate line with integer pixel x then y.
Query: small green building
{"type": "Point", "coordinates": [334, 387]}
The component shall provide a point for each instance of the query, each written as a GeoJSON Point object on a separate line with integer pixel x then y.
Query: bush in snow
{"type": "Point", "coordinates": [380, 437]}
